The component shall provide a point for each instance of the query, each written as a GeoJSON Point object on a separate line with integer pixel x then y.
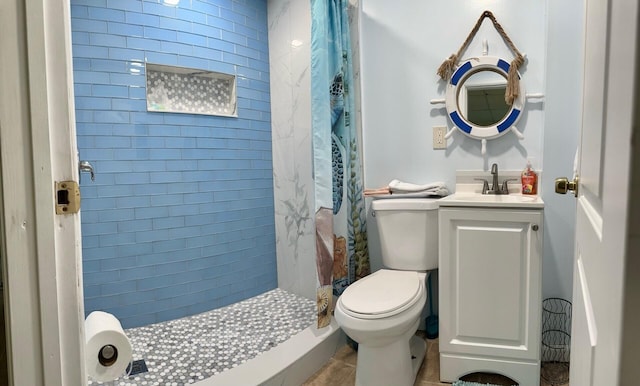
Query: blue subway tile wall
{"type": "Point", "coordinates": [180, 217]}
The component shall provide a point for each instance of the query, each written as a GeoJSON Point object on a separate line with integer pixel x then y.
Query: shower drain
{"type": "Point", "coordinates": [137, 367]}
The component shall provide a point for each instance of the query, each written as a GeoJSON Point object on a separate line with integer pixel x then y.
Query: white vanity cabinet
{"type": "Point", "coordinates": [490, 292]}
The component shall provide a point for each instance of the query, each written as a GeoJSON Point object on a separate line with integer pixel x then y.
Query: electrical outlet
{"type": "Point", "coordinates": [439, 141]}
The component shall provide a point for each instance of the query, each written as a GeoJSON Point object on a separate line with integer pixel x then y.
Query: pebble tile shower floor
{"type": "Point", "coordinates": [190, 349]}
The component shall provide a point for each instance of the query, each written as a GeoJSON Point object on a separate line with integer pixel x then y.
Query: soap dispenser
{"type": "Point", "coordinates": [529, 180]}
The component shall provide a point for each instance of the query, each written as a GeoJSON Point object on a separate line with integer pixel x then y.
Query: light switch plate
{"type": "Point", "coordinates": [439, 141]}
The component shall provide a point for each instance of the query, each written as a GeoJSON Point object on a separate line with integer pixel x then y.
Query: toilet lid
{"type": "Point", "coordinates": [382, 292]}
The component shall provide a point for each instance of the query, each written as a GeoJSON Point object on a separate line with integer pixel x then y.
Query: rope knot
{"type": "Point", "coordinates": [447, 67]}
{"type": "Point", "coordinates": [513, 81]}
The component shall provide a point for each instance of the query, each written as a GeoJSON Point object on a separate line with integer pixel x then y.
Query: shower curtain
{"type": "Point", "coordinates": [341, 237]}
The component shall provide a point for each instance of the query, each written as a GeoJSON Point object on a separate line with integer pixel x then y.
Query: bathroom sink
{"type": "Point", "coordinates": [492, 200]}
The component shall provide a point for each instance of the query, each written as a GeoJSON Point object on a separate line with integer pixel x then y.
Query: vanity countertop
{"type": "Point", "coordinates": [468, 192]}
{"type": "Point", "coordinates": [471, 199]}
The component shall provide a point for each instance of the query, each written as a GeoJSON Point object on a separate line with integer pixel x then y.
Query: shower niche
{"type": "Point", "coordinates": [191, 91]}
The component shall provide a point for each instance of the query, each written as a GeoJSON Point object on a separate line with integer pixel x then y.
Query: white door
{"type": "Point", "coordinates": [41, 250]}
{"type": "Point", "coordinates": [601, 228]}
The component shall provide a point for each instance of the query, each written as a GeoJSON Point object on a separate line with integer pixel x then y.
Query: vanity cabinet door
{"type": "Point", "coordinates": [490, 282]}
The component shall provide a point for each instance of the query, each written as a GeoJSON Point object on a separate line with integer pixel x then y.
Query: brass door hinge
{"type": "Point", "coordinates": [67, 197]}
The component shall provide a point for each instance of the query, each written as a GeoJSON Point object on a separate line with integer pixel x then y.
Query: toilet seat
{"type": "Point", "coordinates": [382, 294]}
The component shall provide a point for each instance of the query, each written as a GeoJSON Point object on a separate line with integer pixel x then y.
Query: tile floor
{"type": "Point", "coordinates": [341, 371]}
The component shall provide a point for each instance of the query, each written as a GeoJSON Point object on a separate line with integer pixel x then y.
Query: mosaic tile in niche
{"type": "Point", "coordinates": [184, 90]}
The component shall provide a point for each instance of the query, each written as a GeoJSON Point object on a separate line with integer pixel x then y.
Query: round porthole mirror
{"type": "Point", "coordinates": [475, 98]}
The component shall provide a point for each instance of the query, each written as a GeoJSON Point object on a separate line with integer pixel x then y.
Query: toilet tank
{"type": "Point", "coordinates": [408, 232]}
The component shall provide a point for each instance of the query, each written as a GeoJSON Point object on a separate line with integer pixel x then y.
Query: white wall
{"type": "Point", "coordinates": [563, 106]}
{"type": "Point", "coordinates": [402, 45]}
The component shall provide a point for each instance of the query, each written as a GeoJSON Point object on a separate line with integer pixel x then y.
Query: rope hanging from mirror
{"type": "Point", "coordinates": [447, 68]}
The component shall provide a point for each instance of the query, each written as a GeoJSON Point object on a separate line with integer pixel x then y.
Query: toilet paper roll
{"type": "Point", "coordinates": [107, 350]}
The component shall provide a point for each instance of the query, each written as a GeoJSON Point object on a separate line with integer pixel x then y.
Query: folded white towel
{"type": "Point", "coordinates": [397, 186]}
{"type": "Point", "coordinates": [422, 194]}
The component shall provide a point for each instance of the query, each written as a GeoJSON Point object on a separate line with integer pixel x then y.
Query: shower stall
{"type": "Point", "coordinates": [196, 215]}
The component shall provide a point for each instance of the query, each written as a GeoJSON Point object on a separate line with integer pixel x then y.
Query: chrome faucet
{"type": "Point", "coordinates": [494, 172]}
{"type": "Point", "coordinates": [495, 188]}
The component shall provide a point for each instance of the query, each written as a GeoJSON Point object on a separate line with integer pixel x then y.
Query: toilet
{"type": "Point", "coordinates": [382, 311]}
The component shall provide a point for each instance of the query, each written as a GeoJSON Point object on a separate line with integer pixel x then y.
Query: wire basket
{"type": "Point", "coordinates": [556, 340]}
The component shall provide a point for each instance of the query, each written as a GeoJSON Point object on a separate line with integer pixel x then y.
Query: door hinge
{"type": "Point", "coordinates": [67, 197]}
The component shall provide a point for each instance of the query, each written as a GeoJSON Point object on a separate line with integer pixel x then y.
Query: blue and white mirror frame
{"type": "Point", "coordinates": [482, 133]}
